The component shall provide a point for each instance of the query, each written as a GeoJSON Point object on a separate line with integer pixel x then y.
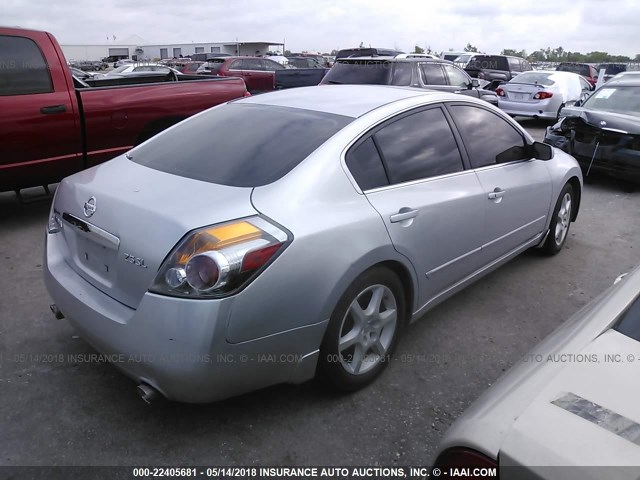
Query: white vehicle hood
{"type": "Point", "coordinates": [588, 415]}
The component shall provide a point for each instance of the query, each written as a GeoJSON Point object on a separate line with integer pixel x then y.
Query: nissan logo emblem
{"type": "Point", "coordinates": [90, 207]}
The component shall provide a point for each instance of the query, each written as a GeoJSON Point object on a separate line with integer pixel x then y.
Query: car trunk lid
{"type": "Point", "coordinates": [522, 92]}
{"type": "Point", "coordinates": [121, 219]}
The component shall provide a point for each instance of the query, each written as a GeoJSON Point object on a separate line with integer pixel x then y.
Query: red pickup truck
{"type": "Point", "coordinates": [53, 125]}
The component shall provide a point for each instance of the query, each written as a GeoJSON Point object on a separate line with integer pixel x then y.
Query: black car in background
{"type": "Point", "coordinates": [603, 133]}
{"type": "Point", "coordinates": [421, 72]}
{"type": "Point", "coordinates": [305, 62]}
{"type": "Point", "coordinates": [587, 71]}
{"type": "Point", "coordinates": [495, 69]}
{"type": "Point", "coordinates": [611, 69]}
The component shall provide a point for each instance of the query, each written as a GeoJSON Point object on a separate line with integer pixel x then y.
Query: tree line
{"type": "Point", "coordinates": [559, 54]}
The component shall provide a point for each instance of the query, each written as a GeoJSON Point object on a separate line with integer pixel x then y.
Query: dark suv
{"type": "Point", "coordinates": [587, 71]}
{"type": "Point", "coordinates": [495, 68]}
{"type": "Point", "coordinates": [402, 70]}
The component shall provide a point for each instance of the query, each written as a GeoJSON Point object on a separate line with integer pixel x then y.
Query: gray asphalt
{"type": "Point", "coordinates": [63, 413]}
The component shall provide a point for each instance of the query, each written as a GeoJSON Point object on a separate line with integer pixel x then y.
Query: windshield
{"type": "Point", "coordinates": [625, 100]}
{"type": "Point", "coordinates": [214, 65]}
{"type": "Point", "coordinates": [369, 72]}
{"type": "Point", "coordinates": [533, 78]}
{"type": "Point", "coordinates": [241, 145]}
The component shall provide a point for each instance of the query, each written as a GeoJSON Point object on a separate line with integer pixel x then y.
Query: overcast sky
{"type": "Point", "coordinates": [320, 25]}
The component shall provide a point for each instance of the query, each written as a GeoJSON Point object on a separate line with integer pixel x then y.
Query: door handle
{"type": "Point", "coordinates": [53, 109]}
{"type": "Point", "coordinates": [402, 216]}
{"type": "Point", "coordinates": [497, 193]}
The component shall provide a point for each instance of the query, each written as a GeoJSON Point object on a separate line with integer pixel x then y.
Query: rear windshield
{"type": "Point", "coordinates": [615, 99]}
{"type": "Point", "coordinates": [579, 69]}
{"type": "Point", "coordinates": [629, 324]}
{"type": "Point", "coordinates": [491, 62]}
{"type": "Point", "coordinates": [532, 78]}
{"type": "Point", "coordinates": [241, 145]}
{"type": "Point", "coordinates": [368, 72]}
{"type": "Point", "coordinates": [613, 69]}
{"type": "Point", "coordinates": [215, 64]}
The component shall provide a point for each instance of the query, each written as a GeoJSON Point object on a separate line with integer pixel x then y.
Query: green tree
{"type": "Point", "coordinates": [418, 49]}
{"type": "Point", "coordinates": [470, 48]}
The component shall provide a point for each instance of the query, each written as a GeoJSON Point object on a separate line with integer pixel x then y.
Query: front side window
{"type": "Point", "coordinates": [417, 146]}
{"type": "Point", "coordinates": [270, 65]}
{"type": "Point", "coordinates": [432, 74]}
{"type": "Point", "coordinates": [488, 138]}
{"type": "Point", "coordinates": [456, 77]}
{"type": "Point", "coordinates": [23, 69]}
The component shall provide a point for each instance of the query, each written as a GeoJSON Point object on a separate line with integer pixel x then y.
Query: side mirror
{"type": "Point", "coordinates": [475, 83]}
{"type": "Point", "coordinates": [542, 151]}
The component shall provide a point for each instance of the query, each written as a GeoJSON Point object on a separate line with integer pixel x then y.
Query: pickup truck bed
{"type": "Point", "coordinates": [50, 129]}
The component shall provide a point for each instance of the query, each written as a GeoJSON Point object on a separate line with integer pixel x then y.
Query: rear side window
{"type": "Point", "coordinates": [514, 64]}
{"type": "Point", "coordinates": [366, 166]}
{"type": "Point", "coordinates": [23, 69]}
{"type": "Point", "coordinates": [491, 62]}
{"type": "Point", "coordinates": [420, 145]}
{"type": "Point", "coordinates": [432, 74]}
{"type": "Point", "coordinates": [241, 145]}
{"type": "Point", "coordinates": [488, 138]}
{"type": "Point", "coordinates": [402, 74]}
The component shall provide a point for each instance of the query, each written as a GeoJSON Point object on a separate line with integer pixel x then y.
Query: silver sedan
{"type": "Point", "coordinates": [542, 94]}
{"type": "Point", "coordinates": [296, 233]}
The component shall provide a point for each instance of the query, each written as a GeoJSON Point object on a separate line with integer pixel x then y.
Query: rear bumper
{"type": "Point", "coordinates": [543, 109]}
{"type": "Point", "coordinates": [177, 345]}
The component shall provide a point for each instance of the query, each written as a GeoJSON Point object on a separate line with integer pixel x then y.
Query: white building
{"type": "Point", "coordinates": [138, 48]}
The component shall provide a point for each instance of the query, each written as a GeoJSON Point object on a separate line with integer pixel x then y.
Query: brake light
{"type": "Point", "coordinates": [470, 463]}
{"type": "Point", "coordinates": [500, 92]}
{"type": "Point", "coordinates": [218, 260]}
{"type": "Point", "coordinates": [246, 93]}
{"type": "Point", "coordinates": [543, 95]}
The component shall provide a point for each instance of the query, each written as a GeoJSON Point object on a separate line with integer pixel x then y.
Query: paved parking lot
{"type": "Point", "coordinates": [63, 413]}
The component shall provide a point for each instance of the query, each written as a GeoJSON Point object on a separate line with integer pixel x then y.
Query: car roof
{"type": "Point", "coordinates": [624, 81]}
{"type": "Point", "coordinates": [348, 100]}
{"type": "Point", "coordinates": [393, 59]}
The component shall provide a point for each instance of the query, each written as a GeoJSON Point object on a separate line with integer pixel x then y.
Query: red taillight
{"type": "Point", "coordinates": [543, 95]}
{"type": "Point", "coordinates": [500, 92]}
{"type": "Point", "coordinates": [468, 463]}
{"type": "Point", "coordinates": [247, 93]}
{"type": "Point", "coordinates": [257, 258]}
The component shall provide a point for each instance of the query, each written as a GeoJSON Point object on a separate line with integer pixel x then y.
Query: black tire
{"type": "Point", "coordinates": [333, 366]}
{"type": "Point", "coordinates": [553, 244]}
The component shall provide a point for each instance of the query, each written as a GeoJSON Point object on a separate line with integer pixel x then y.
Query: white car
{"type": "Point", "coordinates": [572, 401]}
{"type": "Point", "coordinates": [137, 68]}
{"type": "Point", "coordinates": [542, 93]}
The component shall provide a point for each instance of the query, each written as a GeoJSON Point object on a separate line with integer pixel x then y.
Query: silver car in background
{"type": "Point", "coordinates": [273, 237]}
{"type": "Point", "coordinates": [571, 401]}
{"type": "Point", "coordinates": [542, 93]}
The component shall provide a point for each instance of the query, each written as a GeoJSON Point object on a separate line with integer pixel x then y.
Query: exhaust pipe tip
{"type": "Point", "coordinates": [147, 392]}
{"type": "Point", "coordinates": [56, 311]}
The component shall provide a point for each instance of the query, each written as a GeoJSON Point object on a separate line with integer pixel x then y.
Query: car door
{"type": "Point", "coordinates": [517, 188]}
{"type": "Point", "coordinates": [240, 68]}
{"type": "Point", "coordinates": [432, 208]}
{"type": "Point", "coordinates": [39, 123]}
